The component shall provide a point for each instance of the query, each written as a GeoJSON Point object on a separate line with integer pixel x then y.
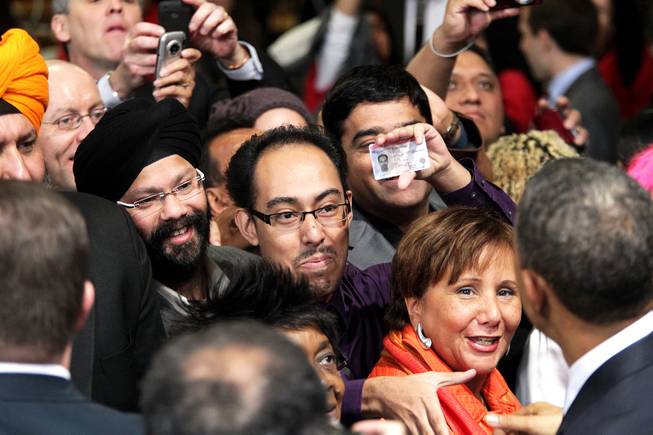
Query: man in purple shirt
{"type": "Point", "coordinates": [292, 187]}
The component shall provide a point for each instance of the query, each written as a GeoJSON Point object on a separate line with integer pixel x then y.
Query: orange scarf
{"type": "Point", "coordinates": [404, 355]}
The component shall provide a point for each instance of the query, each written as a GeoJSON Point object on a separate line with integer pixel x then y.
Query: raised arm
{"type": "Point", "coordinates": [464, 20]}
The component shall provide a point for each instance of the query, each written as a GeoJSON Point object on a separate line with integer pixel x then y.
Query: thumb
{"type": "Point", "coordinates": [194, 3]}
{"type": "Point", "coordinates": [510, 423]}
{"type": "Point", "coordinates": [405, 179]}
{"type": "Point", "coordinates": [455, 378]}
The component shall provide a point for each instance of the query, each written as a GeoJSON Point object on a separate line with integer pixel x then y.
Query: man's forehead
{"type": "Point", "coordinates": [302, 172]}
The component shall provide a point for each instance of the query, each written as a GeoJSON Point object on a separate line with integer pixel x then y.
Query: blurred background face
{"type": "Point", "coordinates": [474, 91]}
{"type": "Point", "coordinates": [472, 320]}
{"type": "Point", "coordinates": [604, 10]}
{"type": "Point", "coordinates": [20, 157]}
{"type": "Point", "coordinates": [322, 357]}
{"type": "Point", "coordinates": [72, 92]}
{"type": "Point", "coordinates": [96, 30]}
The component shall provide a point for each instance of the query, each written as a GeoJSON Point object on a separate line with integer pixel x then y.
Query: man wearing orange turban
{"type": "Point", "coordinates": [23, 99]}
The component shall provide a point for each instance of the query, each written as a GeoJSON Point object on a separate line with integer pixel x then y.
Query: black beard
{"type": "Point", "coordinates": [178, 264]}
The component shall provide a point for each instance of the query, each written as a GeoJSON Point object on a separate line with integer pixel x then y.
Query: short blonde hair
{"type": "Point", "coordinates": [517, 157]}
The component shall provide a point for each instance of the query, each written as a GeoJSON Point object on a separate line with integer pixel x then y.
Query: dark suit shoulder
{"type": "Point", "coordinates": [36, 404]}
{"type": "Point", "coordinates": [617, 397]}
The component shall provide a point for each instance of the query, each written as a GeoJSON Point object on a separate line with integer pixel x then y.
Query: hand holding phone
{"type": "Point", "coordinates": [551, 119]}
{"type": "Point", "coordinates": [174, 15]}
{"type": "Point", "coordinates": [170, 46]}
{"type": "Point", "coordinates": [507, 4]}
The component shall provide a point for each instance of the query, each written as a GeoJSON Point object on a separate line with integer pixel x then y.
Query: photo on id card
{"type": "Point", "coordinates": [393, 160]}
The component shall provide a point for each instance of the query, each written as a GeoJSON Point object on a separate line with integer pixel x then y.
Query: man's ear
{"type": "Point", "coordinates": [88, 299]}
{"type": "Point", "coordinates": [414, 308]}
{"type": "Point", "coordinates": [218, 200]}
{"type": "Point", "coordinates": [59, 26]}
{"type": "Point", "coordinates": [535, 290]}
{"type": "Point", "coordinates": [547, 43]}
{"type": "Point", "coordinates": [246, 226]}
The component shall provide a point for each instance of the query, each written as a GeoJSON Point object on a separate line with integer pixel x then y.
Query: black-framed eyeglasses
{"type": "Point", "coordinates": [330, 215]}
{"type": "Point", "coordinates": [72, 121]}
{"type": "Point", "coordinates": [154, 203]}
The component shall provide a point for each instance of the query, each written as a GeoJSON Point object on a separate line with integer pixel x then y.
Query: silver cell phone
{"type": "Point", "coordinates": [170, 46]}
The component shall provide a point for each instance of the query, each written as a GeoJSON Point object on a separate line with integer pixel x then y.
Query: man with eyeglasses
{"type": "Point", "coordinates": [291, 185]}
{"type": "Point", "coordinates": [144, 157]}
{"type": "Point", "coordinates": [75, 107]}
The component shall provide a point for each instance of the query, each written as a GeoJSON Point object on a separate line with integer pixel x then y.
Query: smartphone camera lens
{"type": "Point", "coordinates": [174, 47]}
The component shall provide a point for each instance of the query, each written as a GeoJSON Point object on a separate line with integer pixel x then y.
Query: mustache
{"type": "Point", "coordinates": [166, 229]}
{"type": "Point", "coordinates": [311, 251]}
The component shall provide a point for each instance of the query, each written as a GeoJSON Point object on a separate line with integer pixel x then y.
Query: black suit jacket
{"type": "Point", "coordinates": [124, 329]}
{"type": "Point", "coordinates": [600, 111]}
{"type": "Point", "coordinates": [616, 399]}
{"type": "Point", "coordinates": [39, 405]}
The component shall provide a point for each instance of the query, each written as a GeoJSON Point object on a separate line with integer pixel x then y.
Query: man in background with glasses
{"type": "Point", "coordinates": [144, 156]}
{"type": "Point", "coordinates": [75, 107]}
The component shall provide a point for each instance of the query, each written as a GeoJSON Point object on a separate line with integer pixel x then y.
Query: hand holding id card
{"type": "Point", "coordinates": [393, 160]}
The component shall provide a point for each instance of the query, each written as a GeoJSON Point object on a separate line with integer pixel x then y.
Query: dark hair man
{"type": "Point", "coordinates": [291, 185]}
{"type": "Point", "coordinates": [586, 280]}
{"type": "Point", "coordinates": [236, 378]}
{"type": "Point", "coordinates": [370, 100]}
{"type": "Point", "coordinates": [144, 156]}
{"type": "Point", "coordinates": [221, 141]}
{"type": "Point", "coordinates": [558, 39]}
{"type": "Point", "coordinates": [46, 300]}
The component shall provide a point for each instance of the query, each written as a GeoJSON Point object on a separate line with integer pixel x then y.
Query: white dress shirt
{"type": "Point", "coordinates": [559, 85]}
{"type": "Point", "coordinates": [55, 370]}
{"type": "Point", "coordinates": [585, 366]}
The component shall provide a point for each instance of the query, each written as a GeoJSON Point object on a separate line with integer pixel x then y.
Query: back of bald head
{"type": "Point", "coordinates": [235, 378]}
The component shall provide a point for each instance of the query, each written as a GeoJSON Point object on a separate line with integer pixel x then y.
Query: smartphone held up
{"type": "Point", "coordinates": [174, 16]}
{"type": "Point", "coordinates": [507, 4]}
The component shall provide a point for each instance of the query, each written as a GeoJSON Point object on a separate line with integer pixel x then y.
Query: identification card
{"type": "Point", "coordinates": [393, 160]}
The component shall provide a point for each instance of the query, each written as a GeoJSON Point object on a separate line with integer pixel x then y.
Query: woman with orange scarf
{"type": "Point", "coordinates": [455, 307]}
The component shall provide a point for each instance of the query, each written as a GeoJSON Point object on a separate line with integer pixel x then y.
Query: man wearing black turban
{"type": "Point", "coordinates": [144, 155]}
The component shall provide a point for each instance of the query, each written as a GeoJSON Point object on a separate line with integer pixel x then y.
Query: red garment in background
{"type": "Point", "coordinates": [312, 97]}
{"type": "Point", "coordinates": [519, 99]}
{"type": "Point", "coordinates": [637, 96]}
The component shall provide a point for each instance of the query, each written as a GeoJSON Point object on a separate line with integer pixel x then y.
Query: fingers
{"type": "Point", "coordinates": [226, 28]}
{"type": "Point", "coordinates": [147, 29]}
{"type": "Point", "coordinates": [379, 427]}
{"type": "Point", "coordinates": [505, 13]}
{"type": "Point", "coordinates": [572, 118]}
{"type": "Point", "coordinates": [455, 378]}
{"type": "Point", "coordinates": [402, 134]}
{"type": "Point", "coordinates": [207, 18]}
{"type": "Point", "coordinates": [405, 179]}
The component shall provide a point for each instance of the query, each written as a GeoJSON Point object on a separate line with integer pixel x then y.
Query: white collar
{"type": "Point", "coordinates": [561, 83]}
{"type": "Point", "coordinates": [585, 366]}
{"type": "Point", "coordinates": [55, 370]}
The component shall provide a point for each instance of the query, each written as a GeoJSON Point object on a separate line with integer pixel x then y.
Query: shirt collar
{"type": "Point", "coordinates": [563, 81]}
{"type": "Point", "coordinates": [585, 366]}
{"type": "Point", "coordinates": [55, 370]}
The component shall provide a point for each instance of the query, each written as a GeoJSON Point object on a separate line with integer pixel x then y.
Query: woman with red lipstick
{"type": "Point", "coordinates": [455, 307]}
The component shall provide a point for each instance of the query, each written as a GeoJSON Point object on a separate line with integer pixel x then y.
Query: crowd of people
{"type": "Point", "coordinates": [208, 250]}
